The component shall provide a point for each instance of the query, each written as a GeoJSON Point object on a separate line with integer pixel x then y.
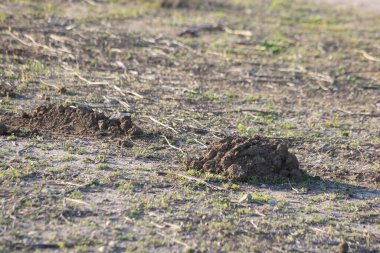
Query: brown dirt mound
{"type": "Point", "coordinates": [66, 120]}
{"type": "Point", "coordinates": [190, 4]}
{"type": "Point", "coordinates": [240, 158]}
{"type": "Point", "coordinates": [175, 4]}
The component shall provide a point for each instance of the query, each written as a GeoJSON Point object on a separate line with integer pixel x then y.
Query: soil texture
{"type": "Point", "coordinates": [240, 158]}
{"type": "Point", "coordinates": [189, 72]}
{"type": "Point", "coordinates": [67, 120]}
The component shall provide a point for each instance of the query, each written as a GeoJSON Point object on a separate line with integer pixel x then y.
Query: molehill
{"type": "Point", "coordinates": [240, 158]}
{"type": "Point", "coordinates": [66, 120]}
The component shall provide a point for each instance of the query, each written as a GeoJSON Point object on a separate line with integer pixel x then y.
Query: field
{"type": "Point", "coordinates": [167, 78]}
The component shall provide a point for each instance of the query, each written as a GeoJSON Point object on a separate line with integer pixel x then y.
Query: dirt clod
{"type": "Point", "coordinates": [67, 120]}
{"type": "Point", "coordinates": [239, 158]}
{"type": "Point", "coordinates": [3, 129]}
{"type": "Point", "coordinates": [343, 247]}
{"type": "Point", "coordinates": [62, 90]}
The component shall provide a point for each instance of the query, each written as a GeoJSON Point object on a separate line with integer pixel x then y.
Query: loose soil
{"type": "Point", "coordinates": [303, 73]}
{"type": "Point", "coordinates": [240, 158]}
{"type": "Point", "coordinates": [66, 120]}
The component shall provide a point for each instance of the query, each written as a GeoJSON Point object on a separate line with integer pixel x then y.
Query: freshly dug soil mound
{"type": "Point", "coordinates": [181, 4]}
{"type": "Point", "coordinates": [190, 4]}
{"type": "Point", "coordinates": [66, 120]}
{"type": "Point", "coordinates": [239, 158]}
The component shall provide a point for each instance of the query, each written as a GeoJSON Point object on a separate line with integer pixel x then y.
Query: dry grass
{"type": "Point", "coordinates": [307, 75]}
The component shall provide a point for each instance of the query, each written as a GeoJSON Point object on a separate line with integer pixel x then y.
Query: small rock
{"type": "Point", "coordinates": [113, 101]}
{"type": "Point", "coordinates": [111, 244]}
{"type": "Point", "coordinates": [102, 249]}
{"type": "Point", "coordinates": [33, 233]}
{"type": "Point", "coordinates": [51, 191]}
{"type": "Point", "coordinates": [272, 202]}
{"type": "Point", "coordinates": [125, 143]}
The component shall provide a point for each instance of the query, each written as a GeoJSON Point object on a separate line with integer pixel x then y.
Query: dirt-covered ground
{"type": "Point", "coordinates": [372, 6]}
{"type": "Point", "coordinates": [102, 103]}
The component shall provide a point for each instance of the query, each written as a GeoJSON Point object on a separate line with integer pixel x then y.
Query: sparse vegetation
{"type": "Point", "coordinates": [295, 72]}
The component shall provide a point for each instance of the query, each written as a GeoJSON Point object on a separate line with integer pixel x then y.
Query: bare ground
{"type": "Point", "coordinates": [371, 6]}
{"type": "Point", "coordinates": [299, 73]}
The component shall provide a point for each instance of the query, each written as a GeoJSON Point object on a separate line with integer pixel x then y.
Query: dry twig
{"type": "Point", "coordinates": [214, 187]}
{"type": "Point", "coordinates": [162, 124]}
{"type": "Point", "coordinates": [39, 45]}
{"type": "Point", "coordinates": [90, 82]}
{"type": "Point", "coordinates": [128, 92]}
{"type": "Point", "coordinates": [166, 225]}
{"type": "Point", "coordinates": [175, 240]}
{"type": "Point", "coordinates": [77, 201]}
{"type": "Point", "coordinates": [359, 114]}
{"type": "Point", "coordinates": [172, 146]}
{"type": "Point", "coordinates": [368, 56]}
